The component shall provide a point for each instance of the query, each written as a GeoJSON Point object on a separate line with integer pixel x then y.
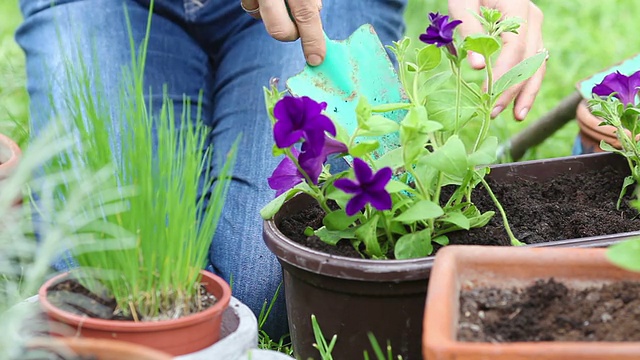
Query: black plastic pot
{"type": "Point", "coordinates": [351, 297]}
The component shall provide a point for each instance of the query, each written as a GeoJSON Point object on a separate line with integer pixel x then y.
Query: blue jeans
{"type": "Point", "coordinates": [208, 45]}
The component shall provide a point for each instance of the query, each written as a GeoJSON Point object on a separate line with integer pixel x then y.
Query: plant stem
{"type": "Point", "coordinates": [318, 195]}
{"type": "Point", "coordinates": [488, 106]}
{"type": "Point", "coordinates": [458, 97]}
{"type": "Point", "coordinates": [514, 240]}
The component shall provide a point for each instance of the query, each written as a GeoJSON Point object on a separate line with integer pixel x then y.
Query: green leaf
{"type": "Point", "coordinates": [481, 220]}
{"type": "Point", "coordinates": [308, 231]}
{"type": "Point", "coordinates": [364, 147]}
{"type": "Point", "coordinates": [486, 153]}
{"type": "Point", "coordinates": [363, 112]}
{"type": "Point", "coordinates": [428, 58]}
{"type": "Point", "coordinates": [421, 210]}
{"type": "Point", "coordinates": [382, 108]}
{"type": "Point", "coordinates": [482, 44]}
{"type": "Point", "coordinates": [442, 240]}
{"type": "Point", "coordinates": [338, 220]}
{"type": "Point", "coordinates": [519, 73]}
{"type": "Point", "coordinates": [413, 245]}
{"type": "Point", "coordinates": [395, 186]}
{"type": "Point", "coordinates": [433, 83]}
{"type": "Point", "coordinates": [628, 181]}
{"type": "Point", "coordinates": [269, 210]}
{"type": "Point", "coordinates": [333, 237]}
{"type": "Point", "coordinates": [411, 67]}
{"type": "Point", "coordinates": [458, 219]}
{"type": "Point", "coordinates": [625, 254]}
{"type": "Point", "coordinates": [451, 158]}
{"type": "Point", "coordinates": [392, 159]}
{"type": "Point", "coordinates": [378, 125]}
{"type": "Point", "coordinates": [367, 233]}
{"type": "Point", "coordinates": [441, 108]}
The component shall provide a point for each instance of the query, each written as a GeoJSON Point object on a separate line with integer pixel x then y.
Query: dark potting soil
{"type": "Point", "coordinates": [550, 311]}
{"type": "Point", "coordinates": [73, 297]}
{"type": "Point", "coordinates": [566, 207]}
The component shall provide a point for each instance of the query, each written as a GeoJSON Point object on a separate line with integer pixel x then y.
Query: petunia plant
{"type": "Point", "coordinates": [615, 101]}
{"type": "Point", "coordinates": [400, 204]}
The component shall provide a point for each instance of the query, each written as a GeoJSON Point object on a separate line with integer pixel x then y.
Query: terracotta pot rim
{"type": "Point", "coordinates": [132, 326]}
{"type": "Point", "coordinates": [83, 345]}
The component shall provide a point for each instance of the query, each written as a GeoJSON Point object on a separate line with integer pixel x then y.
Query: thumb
{"type": "Point", "coordinates": [463, 10]}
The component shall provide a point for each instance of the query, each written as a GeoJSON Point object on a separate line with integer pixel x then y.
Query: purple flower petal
{"type": "Point", "coordinates": [356, 204]}
{"type": "Point", "coordinates": [624, 87]}
{"type": "Point", "coordinates": [312, 163]}
{"type": "Point", "coordinates": [347, 185]}
{"type": "Point", "coordinates": [381, 200]}
{"type": "Point", "coordinates": [367, 187]}
{"type": "Point", "coordinates": [301, 118]}
{"type": "Point", "coordinates": [285, 176]}
{"type": "Point", "coordinates": [362, 170]}
{"type": "Point", "coordinates": [380, 180]}
{"type": "Point", "coordinates": [440, 31]}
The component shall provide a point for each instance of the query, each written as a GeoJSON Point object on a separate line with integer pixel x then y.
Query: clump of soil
{"type": "Point", "coordinates": [569, 206]}
{"type": "Point", "coordinates": [550, 311]}
{"type": "Point", "coordinates": [71, 296]}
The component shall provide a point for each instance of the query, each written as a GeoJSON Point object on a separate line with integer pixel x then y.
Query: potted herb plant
{"type": "Point", "coordinates": [140, 279]}
{"type": "Point", "coordinates": [24, 263]}
{"type": "Point", "coordinates": [355, 244]}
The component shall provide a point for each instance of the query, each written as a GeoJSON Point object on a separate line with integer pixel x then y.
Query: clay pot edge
{"type": "Point", "coordinates": [223, 300]}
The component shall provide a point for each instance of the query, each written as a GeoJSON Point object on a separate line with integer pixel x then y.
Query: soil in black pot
{"type": "Point", "coordinates": [71, 296]}
{"type": "Point", "coordinates": [569, 206]}
{"type": "Point", "coordinates": [550, 311]}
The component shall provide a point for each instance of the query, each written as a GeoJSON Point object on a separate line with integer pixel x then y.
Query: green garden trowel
{"type": "Point", "coordinates": [355, 67]}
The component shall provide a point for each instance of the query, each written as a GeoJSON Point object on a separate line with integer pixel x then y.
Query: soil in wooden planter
{"type": "Point", "coordinates": [71, 296]}
{"type": "Point", "coordinates": [566, 207]}
{"type": "Point", "coordinates": [550, 311]}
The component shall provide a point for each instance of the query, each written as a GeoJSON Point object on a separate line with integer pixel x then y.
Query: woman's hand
{"type": "Point", "coordinates": [307, 25]}
{"type": "Point", "coordinates": [516, 48]}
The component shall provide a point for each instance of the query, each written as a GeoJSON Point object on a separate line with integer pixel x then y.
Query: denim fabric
{"type": "Point", "coordinates": [208, 45]}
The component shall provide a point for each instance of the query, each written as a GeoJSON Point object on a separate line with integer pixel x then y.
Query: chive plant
{"type": "Point", "coordinates": [150, 262]}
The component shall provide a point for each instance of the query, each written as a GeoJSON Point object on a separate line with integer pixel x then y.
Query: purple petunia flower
{"type": "Point", "coordinates": [286, 175]}
{"type": "Point", "coordinates": [312, 164]}
{"type": "Point", "coordinates": [440, 31]}
{"type": "Point", "coordinates": [301, 118]}
{"type": "Point", "coordinates": [625, 87]}
{"type": "Point", "coordinates": [367, 187]}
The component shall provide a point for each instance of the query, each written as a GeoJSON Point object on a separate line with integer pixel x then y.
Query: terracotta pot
{"type": "Point", "coordinates": [469, 266]}
{"type": "Point", "coordinates": [591, 133]}
{"type": "Point", "coordinates": [176, 337]}
{"type": "Point", "coordinates": [98, 349]}
{"type": "Point", "coordinates": [352, 296]}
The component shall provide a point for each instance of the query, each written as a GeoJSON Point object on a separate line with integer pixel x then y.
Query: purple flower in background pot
{"type": "Point", "coordinates": [369, 188]}
{"type": "Point", "coordinates": [301, 118]}
{"type": "Point", "coordinates": [624, 87]}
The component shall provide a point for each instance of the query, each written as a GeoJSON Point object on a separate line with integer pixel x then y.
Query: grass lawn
{"type": "Point", "coordinates": [582, 37]}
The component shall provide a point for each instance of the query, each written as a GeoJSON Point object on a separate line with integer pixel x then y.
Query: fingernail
{"type": "Point", "coordinates": [523, 113]}
{"type": "Point", "coordinates": [496, 111]}
{"type": "Point", "coordinates": [314, 60]}
{"type": "Point", "coordinates": [477, 60]}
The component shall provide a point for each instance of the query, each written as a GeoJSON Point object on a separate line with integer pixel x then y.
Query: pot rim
{"type": "Point", "coordinates": [222, 303]}
{"type": "Point", "coordinates": [319, 262]}
{"type": "Point", "coordinates": [85, 345]}
{"type": "Point", "coordinates": [445, 283]}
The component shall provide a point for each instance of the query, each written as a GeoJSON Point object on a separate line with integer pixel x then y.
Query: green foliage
{"type": "Point", "coordinates": [431, 155]}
